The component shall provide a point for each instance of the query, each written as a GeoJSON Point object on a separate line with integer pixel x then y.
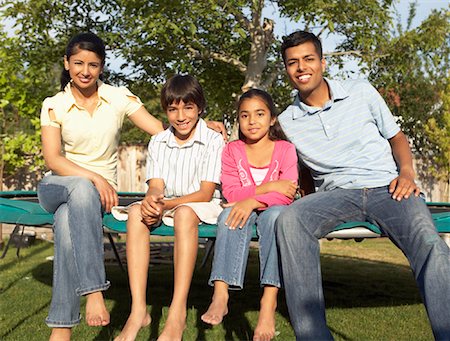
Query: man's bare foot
{"type": "Point", "coordinates": [60, 334]}
{"type": "Point", "coordinates": [216, 310]}
{"type": "Point", "coordinates": [174, 327]}
{"type": "Point", "coordinates": [96, 313]}
{"type": "Point", "coordinates": [135, 322]}
{"type": "Point", "coordinates": [265, 329]}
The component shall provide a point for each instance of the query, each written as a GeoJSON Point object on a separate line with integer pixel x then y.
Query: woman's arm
{"type": "Point", "coordinates": [146, 122]}
{"type": "Point", "coordinates": [59, 164]}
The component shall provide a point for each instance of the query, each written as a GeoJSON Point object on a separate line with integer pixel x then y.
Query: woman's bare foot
{"type": "Point", "coordinates": [60, 334]}
{"type": "Point", "coordinates": [174, 326]}
{"type": "Point", "coordinates": [135, 322]}
{"type": "Point", "coordinates": [96, 313]}
{"type": "Point", "coordinates": [217, 309]}
{"type": "Point", "coordinates": [265, 329]}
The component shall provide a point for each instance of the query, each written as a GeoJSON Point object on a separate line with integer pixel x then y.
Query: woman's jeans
{"type": "Point", "coordinates": [407, 223]}
{"type": "Point", "coordinates": [78, 267]}
{"type": "Point", "coordinates": [232, 247]}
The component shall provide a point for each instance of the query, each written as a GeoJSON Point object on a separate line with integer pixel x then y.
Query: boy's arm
{"type": "Point", "coordinates": [402, 186]}
{"type": "Point", "coordinates": [152, 205]}
{"type": "Point", "coordinates": [204, 194]}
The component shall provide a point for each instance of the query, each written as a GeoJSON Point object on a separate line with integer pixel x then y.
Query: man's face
{"type": "Point", "coordinates": [304, 68]}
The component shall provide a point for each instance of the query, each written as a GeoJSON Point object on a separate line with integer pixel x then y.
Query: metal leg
{"type": "Point", "coordinates": [116, 254]}
{"type": "Point", "coordinates": [209, 249]}
{"type": "Point", "coordinates": [19, 245]}
{"type": "Point", "coordinates": [16, 229]}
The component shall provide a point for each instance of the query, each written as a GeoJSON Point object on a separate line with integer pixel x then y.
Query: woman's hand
{"type": "Point", "coordinates": [108, 195]}
{"type": "Point", "coordinates": [218, 127]}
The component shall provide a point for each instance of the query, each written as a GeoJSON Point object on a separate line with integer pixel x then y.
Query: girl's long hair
{"type": "Point", "coordinates": [275, 131]}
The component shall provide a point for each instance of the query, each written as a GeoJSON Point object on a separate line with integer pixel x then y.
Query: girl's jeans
{"type": "Point", "coordinates": [232, 247]}
{"type": "Point", "coordinates": [78, 267]}
{"type": "Point", "coordinates": [407, 223]}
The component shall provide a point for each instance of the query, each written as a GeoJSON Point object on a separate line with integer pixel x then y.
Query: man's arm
{"type": "Point", "coordinates": [402, 186]}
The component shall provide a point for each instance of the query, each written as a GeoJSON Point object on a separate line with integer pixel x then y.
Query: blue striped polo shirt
{"type": "Point", "coordinates": [345, 143]}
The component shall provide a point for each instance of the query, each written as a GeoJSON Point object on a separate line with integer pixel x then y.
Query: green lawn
{"type": "Point", "coordinates": [369, 290]}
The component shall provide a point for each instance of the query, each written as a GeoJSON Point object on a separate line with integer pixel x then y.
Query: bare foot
{"type": "Point", "coordinates": [96, 313]}
{"type": "Point", "coordinates": [265, 329]}
{"type": "Point", "coordinates": [60, 334]}
{"type": "Point", "coordinates": [216, 310]}
{"type": "Point", "coordinates": [174, 327]}
{"type": "Point", "coordinates": [135, 322]}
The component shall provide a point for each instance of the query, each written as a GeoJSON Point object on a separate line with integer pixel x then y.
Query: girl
{"type": "Point", "coordinates": [183, 171]}
{"type": "Point", "coordinates": [259, 176]}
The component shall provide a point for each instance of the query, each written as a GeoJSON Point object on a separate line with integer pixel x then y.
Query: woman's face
{"type": "Point", "coordinates": [84, 69]}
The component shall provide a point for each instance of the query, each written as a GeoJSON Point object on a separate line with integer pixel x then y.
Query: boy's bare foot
{"type": "Point", "coordinates": [265, 329]}
{"type": "Point", "coordinates": [135, 322]}
{"type": "Point", "coordinates": [96, 313]}
{"type": "Point", "coordinates": [174, 327]}
{"type": "Point", "coordinates": [216, 310]}
{"type": "Point", "coordinates": [60, 334]}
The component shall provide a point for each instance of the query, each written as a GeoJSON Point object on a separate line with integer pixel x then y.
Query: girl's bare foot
{"type": "Point", "coordinates": [135, 322]}
{"type": "Point", "coordinates": [265, 329]}
{"type": "Point", "coordinates": [217, 309]}
{"type": "Point", "coordinates": [96, 313]}
{"type": "Point", "coordinates": [174, 327]}
{"type": "Point", "coordinates": [60, 334]}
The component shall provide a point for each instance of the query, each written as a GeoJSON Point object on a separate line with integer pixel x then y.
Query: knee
{"type": "Point", "coordinates": [83, 191]}
{"type": "Point", "coordinates": [185, 218]}
{"type": "Point", "coordinates": [223, 217]}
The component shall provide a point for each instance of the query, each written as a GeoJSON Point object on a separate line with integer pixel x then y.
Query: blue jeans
{"type": "Point", "coordinates": [232, 247]}
{"type": "Point", "coordinates": [408, 224]}
{"type": "Point", "coordinates": [78, 267]}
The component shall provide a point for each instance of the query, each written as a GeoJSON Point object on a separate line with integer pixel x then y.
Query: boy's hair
{"type": "Point", "coordinates": [183, 88]}
{"type": "Point", "coordinates": [300, 37]}
{"type": "Point", "coordinates": [275, 131]}
{"type": "Point", "coordinates": [83, 41]}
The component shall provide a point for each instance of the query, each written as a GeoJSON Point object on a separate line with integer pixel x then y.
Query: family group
{"type": "Point", "coordinates": [342, 132]}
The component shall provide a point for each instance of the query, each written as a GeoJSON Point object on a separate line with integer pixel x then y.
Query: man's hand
{"type": "Point", "coordinates": [286, 187]}
{"type": "Point", "coordinates": [240, 212]}
{"type": "Point", "coordinates": [219, 127]}
{"type": "Point", "coordinates": [403, 185]}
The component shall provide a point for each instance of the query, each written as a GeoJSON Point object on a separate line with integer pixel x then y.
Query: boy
{"type": "Point", "coordinates": [362, 166]}
{"type": "Point", "coordinates": [183, 171]}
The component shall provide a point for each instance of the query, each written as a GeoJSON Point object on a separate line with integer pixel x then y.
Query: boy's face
{"type": "Point", "coordinates": [183, 117]}
{"type": "Point", "coordinates": [304, 68]}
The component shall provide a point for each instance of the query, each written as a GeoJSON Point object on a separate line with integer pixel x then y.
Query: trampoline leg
{"type": "Point", "coordinates": [116, 254]}
{"type": "Point", "coordinates": [208, 250]}
{"type": "Point", "coordinates": [14, 232]}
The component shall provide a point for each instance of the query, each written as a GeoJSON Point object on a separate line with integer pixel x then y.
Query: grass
{"type": "Point", "coordinates": [369, 290]}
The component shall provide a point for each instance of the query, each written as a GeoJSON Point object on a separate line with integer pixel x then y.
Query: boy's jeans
{"type": "Point", "coordinates": [78, 267]}
{"type": "Point", "coordinates": [232, 247]}
{"type": "Point", "coordinates": [408, 224]}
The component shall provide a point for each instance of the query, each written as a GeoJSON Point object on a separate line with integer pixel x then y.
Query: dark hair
{"type": "Point", "coordinates": [183, 88]}
{"type": "Point", "coordinates": [300, 37]}
{"type": "Point", "coordinates": [275, 131]}
{"type": "Point", "coordinates": [83, 41]}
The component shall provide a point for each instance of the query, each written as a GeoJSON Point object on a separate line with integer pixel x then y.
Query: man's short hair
{"type": "Point", "coordinates": [300, 37]}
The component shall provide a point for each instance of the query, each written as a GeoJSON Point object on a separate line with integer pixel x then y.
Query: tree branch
{"type": "Point", "coordinates": [219, 57]}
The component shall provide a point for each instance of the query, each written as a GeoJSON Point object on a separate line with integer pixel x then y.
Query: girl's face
{"type": "Point", "coordinates": [254, 119]}
{"type": "Point", "coordinates": [84, 69]}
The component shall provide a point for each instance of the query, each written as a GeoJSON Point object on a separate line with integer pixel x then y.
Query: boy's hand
{"type": "Point", "coordinates": [286, 187]}
{"type": "Point", "coordinates": [152, 208]}
{"type": "Point", "coordinates": [240, 212]}
{"type": "Point", "coordinates": [403, 185]}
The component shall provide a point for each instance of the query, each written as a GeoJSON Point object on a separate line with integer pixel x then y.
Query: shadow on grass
{"type": "Point", "coordinates": [348, 282]}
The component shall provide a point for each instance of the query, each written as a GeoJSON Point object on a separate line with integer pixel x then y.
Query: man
{"type": "Point", "coordinates": [362, 165]}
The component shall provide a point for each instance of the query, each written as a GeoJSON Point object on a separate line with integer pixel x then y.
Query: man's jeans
{"type": "Point", "coordinates": [78, 267]}
{"type": "Point", "coordinates": [232, 247]}
{"type": "Point", "coordinates": [408, 224]}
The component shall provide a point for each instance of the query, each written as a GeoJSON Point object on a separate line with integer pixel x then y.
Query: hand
{"type": "Point", "coordinates": [108, 195]}
{"type": "Point", "coordinates": [152, 206]}
{"type": "Point", "coordinates": [240, 212]}
{"type": "Point", "coordinates": [219, 127]}
{"type": "Point", "coordinates": [286, 187]}
{"type": "Point", "coordinates": [403, 185]}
